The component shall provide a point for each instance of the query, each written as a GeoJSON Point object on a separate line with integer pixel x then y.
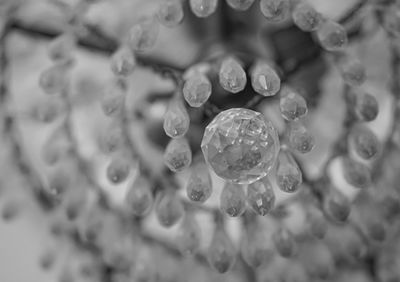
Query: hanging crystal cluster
{"type": "Point", "coordinates": [240, 145]}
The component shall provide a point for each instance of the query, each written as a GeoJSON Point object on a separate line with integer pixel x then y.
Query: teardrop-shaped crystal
{"type": "Point", "coordinates": [75, 201]}
{"type": "Point", "coordinates": [176, 120]}
{"type": "Point", "coordinates": [170, 13]}
{"type": "Point", "coordinates": [111, 139]}
{"type": "Point", "coordinates": [197, 89]}
{"type": "Point", "coordinates": [284, 242]}
{"type": "Point", "coordinates": [178, 155]}
{"type": "Point", "coordinates": [292, 105]}
{"type": "Point", "coordinates": [275, 10]}
{"type": "Point", "coordinates": [337, 205]}
{"type": "Point", "coordinates": [233, 199]}
{"type": "Point", "coordinates": [59, 183]}
{"type": "Point", "coordinates": [143, 35]}
{"type": "Point", "coordinates": [113, 100]}
{"type": "Point", "coordinates": [306, 17]}
{"type": "Point", "coordinates": [364, 142]}
{"type": "Point", "coordinates": [353, 72]}
{"type": "Point", "coordinates": [288, 174]}
{"type": "Point", "coordinates": [47, 111]}
{"type": "Point", "coordinates": [169, 209]}
{"type": "Point", "coordinates": [299, 138]}
{"type": "Point", "coordinates": [188, 237]}
{"type": "Point", "coordinates": [93, 225]}
{"type": "Point", "coordinates": [118, 169]}
{"type": "Point", "coordinates": [254, 249]}
{"type": "Point", "coordinates": [123, 62]}
{"type": "Point", "coordinates": [221, 253]}
{"type": "Point", "coordinates": [232, 76]}
{"type": "Point", "coordinates": [203, 8]}
{"type": "Point", "coordinates": [356, 173]}
{"type": "Point", "coordinates": [139, 198]}
{"type": "Point", "coordinates": [55, 148]}
{"type": "Point", "coordinates": [240, 5]}
{"type": "Point", "coordinates": [332, 36]}
{"type": "Point", "coordinates": [199, 186]}
{"type": "Point", "coordinates": [318, 225]}
{"type": "Point", "coordinates": [366, 107]}
{"type": "Point", "coordinates": [264, 79]}
{"type": "Point", "coordinates": [53, 80]}
{"type": "Point", "coordinates": [260, 196]}
{"type": "Point", "coordinates": [61, 47]}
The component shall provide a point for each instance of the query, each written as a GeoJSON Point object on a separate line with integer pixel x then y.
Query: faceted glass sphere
{"type": "Point", "coordinates": [240, 145]}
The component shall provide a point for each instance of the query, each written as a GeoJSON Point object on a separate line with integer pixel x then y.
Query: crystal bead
{"type": "Point", "coordinates": [178, 155]}
{"type": "Point", "coordinates": [254, 250]}
{"type": "Point", "coordinates": [233, 200]}
{"type": "Point", "coordinates": [189, 237]}
{"type": "Point", "coordinates": [176, 120]}
{"type": "Point", "coordinates": [264, 79]}
{"type": "Point", "coordinates": [260, 196]}
{"type": "Point", "coordinates": [318, 225]}
{"type": "Point", "coordinates": [356, 173]}
{"type": "Point", "coordinates": [232, 76]}
{"type": "Point", "coordinates": [293, 106]}
{"type": "Point", "coordinates": [123, 62]}
{"type": "Point", "coordinates": [139, 198]}
{"type": "Point", "coordinates": [203, 8]}
{"type": "Point", "coordinates": [53, 80]}
{"type": "Point", "coordinates": [197, 90]}
{"type": "Point", "coordinates": [337, 205]}
{"type": "Point", "coordinates": [332, 36]}
{"type": "Point", "coordinates": [62, 47]}
{"type": "Point", "coordinates": [275, 10]}
{"type": "Point", "coordinates": [284, 242]}
{"type": "Point", "coordinates": [199, 186]}
{"type": "Point", "coordinates": [113, 100]}
{"type": "Point", "coordinates": [221, 253]}
{"type": "Point", "coordinates": [143, 35]}
{"type": "Point", "coordinates": [299, 138]}
{"type": "Point", "coordinates": [306, 17]}
{"type": "Point", "coordinates": [288, 173]}
{"type": "Point", "coordinates": [170, 13]}
{"type": "Point", "coordinates": [118, 170]}
{"type": "Point", "coordinates": [240, 145]}
{"type": "Point", "coordinates": [169, 209]}
{"type": "Point", "coordinates": [366, 107]}
{"type": "Point", "coordinates": [364, 142]}
{"type": "Point", "coordinates": [353, 72]}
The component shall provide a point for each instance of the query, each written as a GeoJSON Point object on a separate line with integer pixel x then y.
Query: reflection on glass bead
{"type": "Point", "coordinates": [264, 79]}
{"type": "Point", "coordinates": [221, 253]}
{"type": "Point", "coordinates": [232, 76]}
{"type": "Point", "coordinates": [170, 13]}
{"type": "Point", "coordinates": [203, 8]}
{"type": "Point", "coordinates": [233, 200]}
{"type": "Point", "coordinates": [260, 196]}
{"type": "Point", "coordinates": [240, 145]}
{"type": "Point", "coordinates": [178, 155]}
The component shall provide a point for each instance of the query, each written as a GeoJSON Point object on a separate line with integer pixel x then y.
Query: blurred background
{"type": "Point", "coordinates": [26, 241]}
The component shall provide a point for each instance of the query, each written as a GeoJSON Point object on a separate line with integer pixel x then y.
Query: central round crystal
{"type": "Point", "coordinates": [240, 145]}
